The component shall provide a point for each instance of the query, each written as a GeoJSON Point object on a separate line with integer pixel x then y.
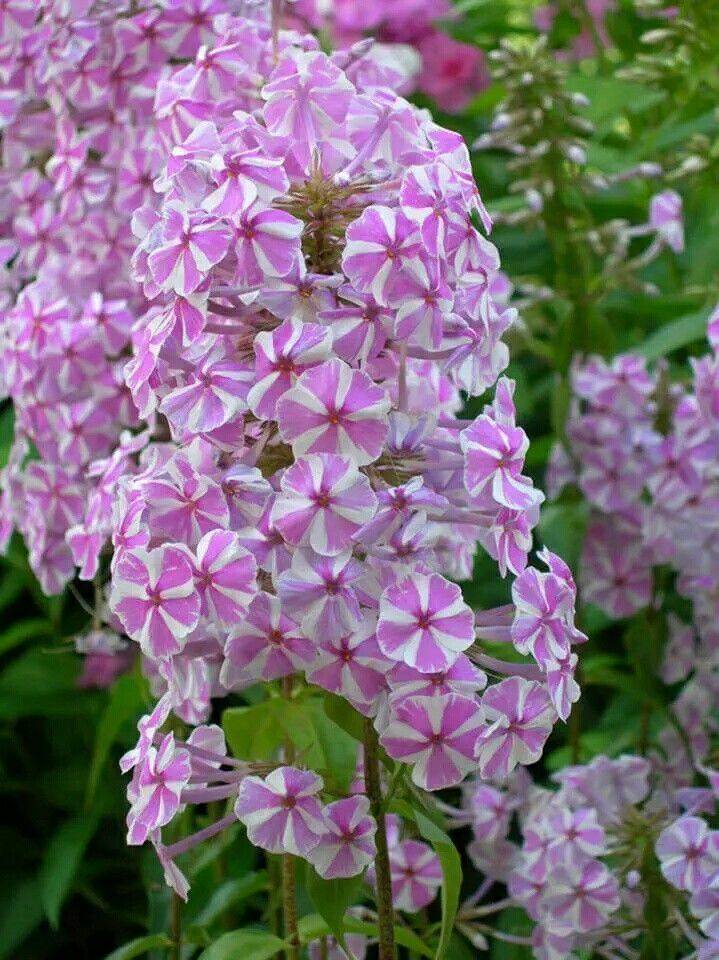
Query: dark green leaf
{"type": "Point", "coordinates": [451, 869]}
{"type": "Point", "coordinates": [125, 704]}
{"type": "Point", "coordinates": [244, 945]}
{"type": "Point", "coordinates": [312, 927]}
{"type": "Point", "coordinates": [675, 335]}
{"type": "Point", "coordinates": [60, 863]}
{"type": "Point", "coordinates": [20, 914]}
{"type": "Point", "coordinates": [140, 946]}
{"type": "Point", "coordinates": [331, 898]}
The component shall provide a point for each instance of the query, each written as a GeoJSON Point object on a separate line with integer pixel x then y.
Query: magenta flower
{"type": "Point", "coordinates": [324, 501]}
{"type": "Point", "coordinates": [282, 813]}
{"type": "Point", "coordinates": [323, 593]}
{"type": "Point", "coordinates": [688, 853]}
{"type": "Point", "coordinates": [424, 622]}
{"type": "Point", "coordinates": [154, 595]}
{"type": "Point", "coordinates": [183, 504]}
{"type": "Point", "coordinates": [281, 357]}
{"type": "Point", "coordinates": [431, 197]}
{"type": "Point", "coordinates": [416, 875]}
{"type": "Point", "coordinates": [347, 845]}
{"type": "Point", "coordinates": [225, 577]}
{"type": "Point", "coordinates": [267, 243]}
{"type": "Point", "coordinates": [494, 457]}
{"type": "Point", "coordinates": [191, 245]}
{"type": "Point", "coordinates": [335, 409]}
{"type": "Point", "coordinates": [351, 666]}
{"type": "Point", "coordinates": [582, 896]}
{"type": "Point", "coordinates": [424, 304]}
{"type": "Point", "coordinates": [437, 735]}
{"type": "Point", "coordinates": [156, 787]}
{"type": "Point", "coordinates": [360, 326]}
{"type": "Point", "coordinates": [520, 717]}
{"type": "Point", "coordinates": [306, 99]}
{"type": "Point", "coordinates": [210, 396]}
{"type": "Point", "coordinates": [379, 245]}
{"type": "Point", "coordinates": [667, 218]}
{"type": "Point", "coordinates": [266, 645]}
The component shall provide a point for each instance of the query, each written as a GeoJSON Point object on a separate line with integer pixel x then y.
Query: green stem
{"type": "Point", "coordinates": [385, 912]}
{"type": "Point", "coordinates": [176, 926]}
{"type": "Point", "coordinates": [289, 880]}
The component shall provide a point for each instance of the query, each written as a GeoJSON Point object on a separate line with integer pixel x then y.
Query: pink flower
{"type": "Point", "coordinates": [243, 177]}
{"type": "Point", "coordinates": [306, 99]}
{"type": "Point", "coordinates": [324, 501]}
{"type": "Point", "coordinates": [267, 243]}
{"type": "Point", "coordinates": [520, 717]}
{"type": "Point", "coordinates": [437, 735]}
{"type": "Point", "coordinates": [688, 853]}
{"type": "Point", "coordinates": [154, 595]}
{"type": "Point", "coordinates": [347, 845]}
{"type": "Point", "coordinates": [155, 790]}
{"type": "Point", "coordinates": [416, 875]}
{"type": "Point", "coordinates": [452, 72]}
{"type": "Point", "coordinates": [666, 217]}
{"type": "Point", "coordinates": [282, 813]}
{"type": "Point", "coordinates": [544, 620]}
{"type": "Point", "coordinates": [191, 245]}
{"type": "Point", "coordinates": [323, 593]}
{"type": "Point", "coordinates": [424, 622]}
{"type": "Point", "coordinates": [335, 409]}
{"type": "Point", "coordinates": [379, 245]}
{"type": "Point", "coordinates": [281, 357]}
{"type": "Point", "coordinates": [494, 457]}
{"type": "Point", "coordinates": [582, 895]}
{"type": "Point", "coordinates": [575, 834]}
{"type": "Point", "coordinates": [351, 666]}
{"type": "Point", "coordinates": [211, 394]}
{"type": "Point", "coordinates": [266, 645]}
{"type": "Point", "coordinates": [431, 197]}
{"type": "Point", "coordinates": [225, 577]}
{"type": "Point", "coordinates": [183, 504]}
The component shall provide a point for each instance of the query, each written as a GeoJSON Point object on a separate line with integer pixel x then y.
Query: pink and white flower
{"type": "Point", "coordinates": [282, 813]}
{"type": "Point", "coordinates": [225, 576]}
{"type": "Point", "coordinates": [156, 788]}
{"type": "Point", "coordinates": [324, 500]}
{"type": "Point", "coordinates": [335, 409]}
{"type": "Point", "coordinates": [154, 595]}
{"type": "Point", "coordinates": [520, 717]}
{"type": "Point", "coordinates": [437, 735]}
{"type": "Point", "coordinates": [424, 622]}
{"type": "Point", "coordinates": [347, 845]}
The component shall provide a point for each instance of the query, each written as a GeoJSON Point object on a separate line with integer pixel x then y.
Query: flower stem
{"type": "Point", "coordinates": [385, 913]}
{"type": "Point", "coordinates": [176, 926]}
{"type": "Point", "coordinates": [289, 881]}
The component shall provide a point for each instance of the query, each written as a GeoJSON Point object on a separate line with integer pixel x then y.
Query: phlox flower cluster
{"type": "Point", "coordinates": [248, 432]}
{"type": "Point", "coordinates": [643, 451]}
{"type": "Point", "coordinates": [410, 40]}
{"type": "Point", "coordinates": [590, 861]}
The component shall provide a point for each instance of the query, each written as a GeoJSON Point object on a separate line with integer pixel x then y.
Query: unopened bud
{"type": "Point", "coordinates": [534, 200]}
{"type": "Point", "coordinates": [656, 36]}
{"type": "Point", "coordinates": [575, 153]}
{"type": "Point", "coordinates": [579, 100]}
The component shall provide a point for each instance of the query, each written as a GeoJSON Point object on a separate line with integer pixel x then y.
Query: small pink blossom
{"type": "Point", "coordinates": [347, 845]}
{"type": "Point", "coordinates": [282, 813]}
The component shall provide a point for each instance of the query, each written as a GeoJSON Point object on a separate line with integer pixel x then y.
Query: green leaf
{"type": "Point", "coordinates": [516, 922]}
{"type": "Point", "coordinates": [22, 630]}
{"type": "Point", "coordinates": [331, 898]}
{"type": "Point", "coordinates": [229, 894]}
{"type": "Point", "coordinates": [136, 948]}
{"type": "Point", "coordinates": [562, 527]}
{"type": "Point", "coordinates": [244, 945]}
{"type": "Point", "coordinates": [254, 733]}
{"type": "Point", "coordinates": [675, 335]}
{"type": "Point", "coordinates": [312, 927]}
{"type": "Point", "coordinates": [20, 914]}
{"type": "Point", "coordinates": [124, 704]}
{"type": "Point", "coordinates": [344, 715]}
{"type": "Point", "coordinates": [451, 869]}
{"type": "Point", "coordinates": [59, 866]}
{"type": "Point", "coordinates": [42, 683]}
